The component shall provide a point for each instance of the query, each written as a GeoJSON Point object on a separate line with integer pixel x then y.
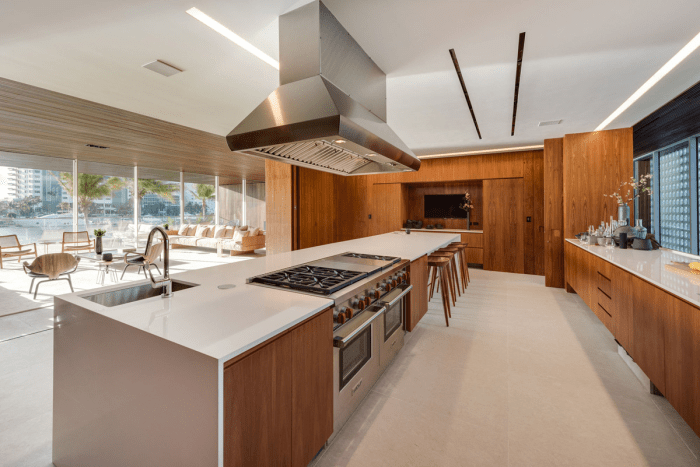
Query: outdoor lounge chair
{"type": "Point", "coordinates": [77, 241]}
{"type": "Point", "coordinates": [143, 261]}
{"type": "Point", "coordinates": [52, 267]}
{"type": "Point", "coordinates": [10, 247]}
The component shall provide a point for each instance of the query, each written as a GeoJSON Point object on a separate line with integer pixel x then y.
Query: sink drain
{"type": "Point", "coordinates": [226, 286]}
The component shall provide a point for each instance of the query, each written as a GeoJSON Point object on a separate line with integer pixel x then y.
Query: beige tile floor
{"type": "Point", "coordinates": [524, 376]}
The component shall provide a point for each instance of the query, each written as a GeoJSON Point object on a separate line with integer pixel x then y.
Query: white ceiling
{"type": "Point", "coordinates": [582, 60]}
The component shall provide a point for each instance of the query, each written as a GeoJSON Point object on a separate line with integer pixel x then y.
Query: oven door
{"type": "Point", "coordinates": [392, 326]}
{"type": "Point", "coordinates": [355, 362]}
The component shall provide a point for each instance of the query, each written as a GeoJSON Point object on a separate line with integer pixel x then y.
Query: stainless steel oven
{"type": "Point", "coordinates": [355, 362]}
{"type": "Point", "coordinates": [391, 328]}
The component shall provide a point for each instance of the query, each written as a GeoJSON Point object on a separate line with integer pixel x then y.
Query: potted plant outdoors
{"type": "Point", "coordinates": [467, 205]}
{"type": "Point", "coordinates": [628, 192]}
{"type": "Point", "coordinates": [166, 226]}
{"type": "Point", "coordinates": [99, 233]}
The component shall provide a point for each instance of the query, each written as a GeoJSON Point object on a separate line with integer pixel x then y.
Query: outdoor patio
{"type": "Point", "coordinates": [14, 283]}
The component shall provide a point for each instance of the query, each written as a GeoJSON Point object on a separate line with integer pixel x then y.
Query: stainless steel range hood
{"type": "Point", "coordinates": [329, 112]}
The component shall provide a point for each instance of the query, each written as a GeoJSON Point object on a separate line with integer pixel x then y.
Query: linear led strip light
{"type": "Point", "coordinates": [482, 151]}
{"type": "Point", "coordinates": [663, 71]}
{"type": "Point", "coordinates": [232, 36]}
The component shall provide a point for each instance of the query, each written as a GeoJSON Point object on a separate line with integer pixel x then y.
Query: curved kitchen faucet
{"type": "Point", "coordinates": [166, 282]}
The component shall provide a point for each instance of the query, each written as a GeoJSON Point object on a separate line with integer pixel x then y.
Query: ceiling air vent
{"type": "Point", "coordinates": [96, 146]}
{"type": "Point", "coordinates": [162, 68]}
{"type": "Point", "coordinates": [550, 122]}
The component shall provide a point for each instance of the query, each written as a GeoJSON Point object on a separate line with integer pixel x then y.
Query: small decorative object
{"type": "Point", "coordinates": [467, 205]}
{"type": "Point", "coordinates": [642, 244]}
{"type": "Point", "coordinates": [166, 226]}
{"type": "Point", "coordinates": [408, 231]}
{"type": "Point", "coordinates": [439, 226]}
{"type": "Point", "coordinates": [639, 230]}
{"type": "Point", "coordinates": [429, 226]}
{"type": "Point", "coordinates": [634, 190]}
{"type": "Point", "coordinates": [107, 257]}
{"type": "Point", "coordinates": [623, 240]}
{"type": "Point", "coordinates": [99, 233]}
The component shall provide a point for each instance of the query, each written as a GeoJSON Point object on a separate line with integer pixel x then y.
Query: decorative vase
{"type": "Point", "coordinates": [639, 230]}
{"type": "Point", "coordinates": [623, 213]}
{"type": "Point", "coordinates": [469, 224]}
{"type": "Point", "coordinates": [98, 245]}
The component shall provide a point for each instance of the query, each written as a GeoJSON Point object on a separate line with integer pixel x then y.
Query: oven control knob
{"type": "Point", "coordinates": [366, 300]}
{"type": "Point", "coordinates": [347, 311]}
{"type": "Point", "coordinates": [339, 316]}
{"type": "Point", "coordinates": [374, 294]}
{"type": "Point", "coordinates": [394, 282]}
{"type": "Point", "coordinates": [385, 286]}
{"type": "Point", "coordinates": [358, 303]}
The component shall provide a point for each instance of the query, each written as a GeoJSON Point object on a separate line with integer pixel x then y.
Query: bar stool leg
{"type": "Point", "coordinates": [457, 278]}
{"type": "Point", "coordinates": [445, 298]}
{"type": "Point", "coordinates": [450, 283]}
{"type": "Point", "coordinates": [433, 280]}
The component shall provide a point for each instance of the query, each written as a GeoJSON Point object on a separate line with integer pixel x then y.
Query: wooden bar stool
{"type": "Point", "coordinates": [464, 265]}
{"type": "Point", "coordinates": [451, 280]}
{"type": "Point", "coordinates": [439, 266]}
{"type": "Point", "coordinates": [455, 252]}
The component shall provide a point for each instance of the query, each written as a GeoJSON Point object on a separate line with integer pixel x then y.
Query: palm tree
{"type": "Point", "coordinates": [90, 188]}
{"type": "Point", "coordinates": [203, 193]}
{"type": "Point", "coordinates": [154, 187]}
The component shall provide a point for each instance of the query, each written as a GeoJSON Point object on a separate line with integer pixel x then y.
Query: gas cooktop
{"type": "Point", "coordinates": [328, 275]}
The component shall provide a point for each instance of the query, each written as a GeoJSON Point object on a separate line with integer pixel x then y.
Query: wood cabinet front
{"type": "Point", "coordinates": [278, 398]}
{"type": "Point", "coordinates": [650, 306]}
{"type": "Point", "coordinates": [418, 298]}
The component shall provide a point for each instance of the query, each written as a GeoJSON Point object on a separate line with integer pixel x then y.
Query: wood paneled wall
{"type": "Point", "coordinates": [333, 208]}
{"type": "Point", "coordinates": [554, 212]}
{"type": "Point", "coordinates": [280, 187]}
{"type": "Point", "coordinates": [416, 204]}
{"type": "Point", "coordinates": [594, 165]}
{"type": "Point", "coordinates": [504, 225]}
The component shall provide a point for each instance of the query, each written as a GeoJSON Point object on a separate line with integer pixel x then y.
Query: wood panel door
{"type": "Point", "coordinates": [312, 387]}
{"type": "Point", "coordinates": [682, 361]}
{"type": "Point", "coordinates": [650, 307]}
{"type": "Point", "coordinates": [418, 298]}
{"type": "Point", "coordinates": [503, 225]}
{"type": "Point", "coordinates": [258, 407]}
{"type": "Point", "coordinates": [389, 208]}
{"type": "Point", "coordinates": [623, 305]}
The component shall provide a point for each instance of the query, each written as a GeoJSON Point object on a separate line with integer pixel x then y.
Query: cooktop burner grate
{"type": "Point", "coordinates": [315, 279]}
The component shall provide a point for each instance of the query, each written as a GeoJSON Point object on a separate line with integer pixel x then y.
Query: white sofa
{"type": "Point", "coordinates": [236, 240]}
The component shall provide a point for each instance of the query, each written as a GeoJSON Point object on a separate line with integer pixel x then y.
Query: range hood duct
{"type": "Point", "coordinates": [329, 112]}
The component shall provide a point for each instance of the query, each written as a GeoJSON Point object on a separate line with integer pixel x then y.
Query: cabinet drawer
{"type": "Point", "coordinates": [605, 302]}
{"type": "Point", "coordinates": [604, 284]}
{"type": "Point", "coordinates": [606, 318]}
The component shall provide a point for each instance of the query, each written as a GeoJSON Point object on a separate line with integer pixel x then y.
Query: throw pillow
{"type": "Point", "coordinates": [219, 231]}
{"type": "Point", "coordinates": [210, 231]}
{"type": "Point", "coordinates": [191, 230]}
{"type": "Point", "coordinates": [238, 236]}
{"type": "Point", "coordinates": [183, 229]}
{"type": "Point", "coordinates": [254, 232]}
{"type": "Point", "coordinates": [242, 228]}
{"type": "Point", "coordinates": [201, 231]}
{"type": "Point", "coordinates": [228, 233]}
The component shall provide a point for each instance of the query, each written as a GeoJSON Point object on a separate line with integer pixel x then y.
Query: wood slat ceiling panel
{"type": "Point", "coordinates": [40, 122]}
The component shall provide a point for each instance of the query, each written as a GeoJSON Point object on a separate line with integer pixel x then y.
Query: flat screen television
{"type": "Point", "coordinates": [444, 207]}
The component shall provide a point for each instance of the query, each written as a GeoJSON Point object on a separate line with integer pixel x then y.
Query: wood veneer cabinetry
{"type": "Point", "coordinates": [554, 212]}
{"type": "Point", "coordinates": [418, 298]}
{"type": "Point", "coordinates": [659, 330]}
{"type": "Point", "coordinates": [278, 398]}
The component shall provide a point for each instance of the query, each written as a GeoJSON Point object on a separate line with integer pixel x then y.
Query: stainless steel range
{"type": "Point", "coordinates": [370, 293]}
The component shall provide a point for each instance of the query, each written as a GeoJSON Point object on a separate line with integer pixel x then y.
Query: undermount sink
{"type": "Point", "coordinates": [132, 294]}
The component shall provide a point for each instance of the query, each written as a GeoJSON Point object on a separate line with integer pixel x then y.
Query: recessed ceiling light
{"type": "Point", "coordinates": [482, 151]}
{"type": "Point", "coordinates": [663, 71]}
{"type": "Point", "coordinates": [339, 141]}
{"type": "Point", "coordinates": [371, 155]}
{"type": "Point", "coordinates": [162, 68]}
{"type": "Point", "coordinates": [232, 36]}
{"type": "Point", "coordinates": [550, 122]}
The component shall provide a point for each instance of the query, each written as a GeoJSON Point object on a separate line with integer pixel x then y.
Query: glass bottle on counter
{"type": "Point", "coordinates": [639, 230]}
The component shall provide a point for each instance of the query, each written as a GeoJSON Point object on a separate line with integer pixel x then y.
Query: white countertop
{"type": "Point", "coordinates": [225, 323]}
{"type": "Point", "coordinates": [448, 230]}
{"type": "Point", "coordinates": [651, 266]}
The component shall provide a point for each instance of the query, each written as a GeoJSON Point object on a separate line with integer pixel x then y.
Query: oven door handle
{"type": "Point", "coordinates": [342, 342]}
{"type": "Point", "coordinates": [405, 288]}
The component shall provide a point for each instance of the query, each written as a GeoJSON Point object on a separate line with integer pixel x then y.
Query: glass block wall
{"type": "Point", "coordinates": [674, 198]}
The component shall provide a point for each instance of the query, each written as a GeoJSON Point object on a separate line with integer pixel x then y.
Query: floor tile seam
{"type": "Point", "coordinates": [673, 427]}
{"type": "Point", "coordinates": [25, 335]}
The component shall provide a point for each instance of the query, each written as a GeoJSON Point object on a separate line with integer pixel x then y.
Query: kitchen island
{"type": "Point", "coordinates": [161, 381]}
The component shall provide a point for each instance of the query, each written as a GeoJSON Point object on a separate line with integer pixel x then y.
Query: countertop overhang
{"type": "Point", "coordinates": [225, 323]}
